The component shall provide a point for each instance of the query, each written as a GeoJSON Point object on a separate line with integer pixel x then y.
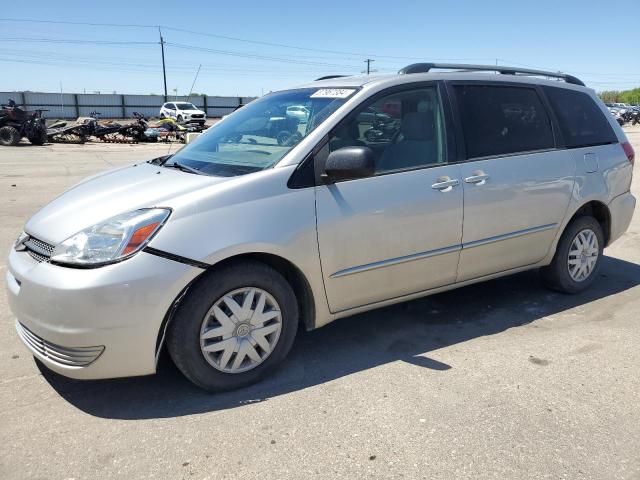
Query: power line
{"type": "Point", "coordinates": [72, 41]}
{"type": "Point", "coordinates": [64, 22]}
{"type": "Point", "coordinates": [256, 56]}
{"type": "Point", "coordinates": [256, 42]}
{"type": "Point", "coordinates": [55, 58]}
{"type": "Point", "coordinates": [245, 40]}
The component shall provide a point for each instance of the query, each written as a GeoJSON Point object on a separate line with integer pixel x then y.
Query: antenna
{"type": "Point", "coordinates": [194, 82]}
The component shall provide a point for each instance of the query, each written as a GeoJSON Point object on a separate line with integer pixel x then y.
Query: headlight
{"type": "Point", "coordinates": [112, 240]}
{"type": "Point", "coordinates": [19, 243]}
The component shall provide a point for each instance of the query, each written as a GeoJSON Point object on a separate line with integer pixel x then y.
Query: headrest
{"type": "Point", "coordinates": [418, 126]}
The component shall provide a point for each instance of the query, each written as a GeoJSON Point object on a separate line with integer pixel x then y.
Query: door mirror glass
{"type": "Point", "coordinates": [349, 163]}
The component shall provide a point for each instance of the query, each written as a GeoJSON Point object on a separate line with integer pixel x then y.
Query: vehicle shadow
{"type": "Point", "coordinates": [405, 332]}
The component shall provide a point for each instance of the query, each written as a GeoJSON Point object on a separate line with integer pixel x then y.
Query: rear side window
{"type": "Point", "coordinates": [582, 123]}
{"type": "Point", "coordinates": [501, 120]}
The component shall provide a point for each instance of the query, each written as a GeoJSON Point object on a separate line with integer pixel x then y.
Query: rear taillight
{"type": "Point", "coordinates": [628, 151]}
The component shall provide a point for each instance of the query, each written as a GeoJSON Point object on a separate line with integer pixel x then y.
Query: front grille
{"type": "Point", "coordinates": [39, 250]}
{"type": "Point", "coordinates": [197, 115]}
{"type": "Point", "coordinates": [64, 356]}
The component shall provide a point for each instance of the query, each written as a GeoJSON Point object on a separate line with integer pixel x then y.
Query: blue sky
{"type": "Point", "coordinates": [594, 40]}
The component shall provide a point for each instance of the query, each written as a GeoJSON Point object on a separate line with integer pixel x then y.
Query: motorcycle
{"type": "Point", "coordinates": [16, 123]}
{"type": "Point", "coordinates": [100, 129]}
{"type": "Point", "coordinates": [628, 116]}
{"type": "Point", "coordinates": [137, 129]}
{"type": "Point", "coordinates": [383, 129]}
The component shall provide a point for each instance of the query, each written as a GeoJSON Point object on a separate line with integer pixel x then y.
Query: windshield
{"type": "Point", "coordinates": [258, 135]}
{"type": "Point", "coordinates": [186, 106]}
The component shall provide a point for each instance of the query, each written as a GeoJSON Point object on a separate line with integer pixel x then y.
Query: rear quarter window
{"type": "Point", "coordinates": [582, 122]}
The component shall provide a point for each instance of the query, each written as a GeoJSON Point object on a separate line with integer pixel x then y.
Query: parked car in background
{"type": "Point", "coordinates": [299, 112]}
{"type": "Point", "coordinates": [223, 250]}
{"type": "Point", "coordinates": [183, 112]}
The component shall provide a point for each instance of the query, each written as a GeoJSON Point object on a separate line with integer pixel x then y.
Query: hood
{"type": "Point", "coordinates": [117, 191]}
{"type": "Point", "coordinates": [192, 111]}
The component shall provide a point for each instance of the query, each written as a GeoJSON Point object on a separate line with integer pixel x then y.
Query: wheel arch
{"type": "Point", "coordinates": [598, 210]}
{"type": "Point", "coordinates": [298, 281]}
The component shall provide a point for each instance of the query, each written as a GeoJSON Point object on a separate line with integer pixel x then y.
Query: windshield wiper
{"type": "Point", "coordinates": [183, 168]}
{"type": "Point", "coordinates": [160, 160]}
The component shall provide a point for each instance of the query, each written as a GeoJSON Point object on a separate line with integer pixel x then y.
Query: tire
{"type": "Point", "coordinates": [557, 275]}
{"type": "Point", "coordinates": [9, 136]}
{"type": "Point", "coordinates": [283, 137]}
{"type": "Point", "coordinates": [179, 119]}
{"type": "Point", "coordinates": [162, 117]}
{"type": "Point", "coordinates": [197, 310]}
{"type": "Point", "coordinates": [40, 138]}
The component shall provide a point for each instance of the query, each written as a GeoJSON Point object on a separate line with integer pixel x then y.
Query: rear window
{"type": "Point", "coordinates": [502, 120]}
{"type": "Point", "coordinates": [582, 123]}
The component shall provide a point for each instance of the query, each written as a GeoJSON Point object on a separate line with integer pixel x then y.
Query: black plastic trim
{"type": "Point", "coordinates": [176, 258]}
{"type": "Point", "coordinates": [303, 176]}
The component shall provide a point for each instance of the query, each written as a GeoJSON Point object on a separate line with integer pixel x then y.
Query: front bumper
{"type": "Point", "coordinates": [94, 323]}
{"type": "Point", "coordinates": [621, 209]}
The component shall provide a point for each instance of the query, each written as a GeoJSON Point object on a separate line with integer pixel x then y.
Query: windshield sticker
{"type": "Point", "coordinates": [333, 93]}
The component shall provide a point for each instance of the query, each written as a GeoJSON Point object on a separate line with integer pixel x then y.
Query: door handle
{"type": "Point", "coordinates": [478, 177]}
{"type": "Point", "coordinates": [445, 184]}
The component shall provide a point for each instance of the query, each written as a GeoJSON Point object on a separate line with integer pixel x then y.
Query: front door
{"type": "Point", "coordinates": [398, 232]}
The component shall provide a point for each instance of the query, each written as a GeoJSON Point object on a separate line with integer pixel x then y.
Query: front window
{"type": "Point", "coordinates": [260, 134]}
{"type": "Point", "coordinates": [186, 106]}
{"type": "Point", "coordinates": [404, 130]}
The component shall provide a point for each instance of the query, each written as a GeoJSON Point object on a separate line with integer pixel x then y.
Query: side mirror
{"type": "Point", "coordinates": [349, 163]}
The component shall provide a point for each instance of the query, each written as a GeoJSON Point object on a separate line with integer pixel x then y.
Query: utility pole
{"type": "Point", "coordinates": [164, 70]}
{"type": "Point", "coordinates": [368, 62]}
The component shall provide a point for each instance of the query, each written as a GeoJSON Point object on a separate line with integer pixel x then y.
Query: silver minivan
{"type": "Point", "coordinates": [394, 187]}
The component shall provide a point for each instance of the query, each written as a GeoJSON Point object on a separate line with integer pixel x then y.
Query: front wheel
{"type": "Point", "coordinates": [578, 256]}
{"type": "Point", "coordinates": [9, 136]}
{"type": "Point", "coordinates": [234, 326]}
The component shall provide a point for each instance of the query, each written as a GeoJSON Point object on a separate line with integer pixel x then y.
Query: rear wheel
{"type": "Point", "coordinates": [9, 136]}
{"type": "Point", "coordinates": [578, 256]}
{"type": "Point", "coordinates": [234, 326]}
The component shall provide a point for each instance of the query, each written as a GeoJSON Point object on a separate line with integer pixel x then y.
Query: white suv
{"type": "Point", "coordinates": [183, 112]}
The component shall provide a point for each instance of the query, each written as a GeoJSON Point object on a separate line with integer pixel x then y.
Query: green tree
{"type": "Point", "coordinates": [626, 96]}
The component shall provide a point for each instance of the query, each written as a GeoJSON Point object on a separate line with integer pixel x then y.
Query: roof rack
{"type": "Point", "coordinates": [327, 77]}
{"type": "Point", "coordinates": [426, 67]}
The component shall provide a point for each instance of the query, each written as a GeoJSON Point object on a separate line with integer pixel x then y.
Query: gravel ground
{"type": "Point", "coordinates": [499, 380]}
